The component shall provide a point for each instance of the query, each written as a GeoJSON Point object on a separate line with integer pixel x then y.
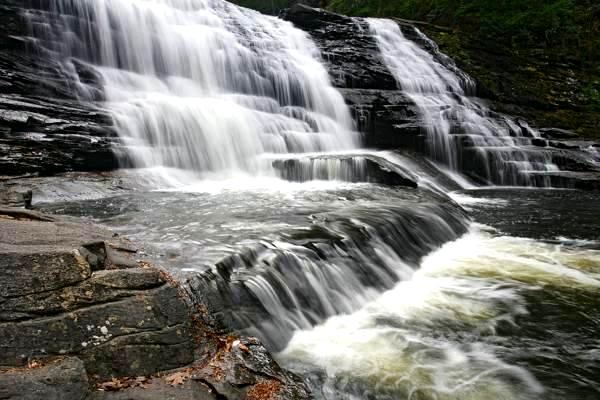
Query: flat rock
{"type": "Point", "coordinates": [60, 297]}
{"type": "Point", "coordinates": [59, 380]}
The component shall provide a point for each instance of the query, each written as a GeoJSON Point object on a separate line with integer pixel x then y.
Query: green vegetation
{"type": "Point", "coordinates": [568, 24]}
{"type": "Point", "coordinates": [540, 58]}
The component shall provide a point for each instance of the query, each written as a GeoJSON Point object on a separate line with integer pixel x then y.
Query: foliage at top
{"type": "Point", "coordinates": [573, 24]}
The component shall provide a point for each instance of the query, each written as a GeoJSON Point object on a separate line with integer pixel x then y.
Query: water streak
{"type": "Point", "coordinates": [201, 85]}
{"type": "Point", "coordinates": [461, 131]}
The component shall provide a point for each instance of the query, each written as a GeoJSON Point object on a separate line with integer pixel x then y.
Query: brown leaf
{"type": "Point", "coordinates": [244, 348]}
{"type": "Point", "coordinates": [113, 385]}
{"type": "Point", "coordinates": [142, 382]}
{"type": "Point", "coordinates": [178, 378]}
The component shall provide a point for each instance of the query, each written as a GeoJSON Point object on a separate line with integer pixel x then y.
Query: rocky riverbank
{"type": "Point", "coordinates": [83, 317]}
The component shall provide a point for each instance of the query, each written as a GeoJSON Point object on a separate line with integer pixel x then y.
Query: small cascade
{"type": "Point", "coordinates": [343, 260]}
{"type": "Point", "coordinates": [366, 168]}
{"type": "Point", "coordinates": [462, 133]}
{"type": "Point", "coordinates": [200, 85]}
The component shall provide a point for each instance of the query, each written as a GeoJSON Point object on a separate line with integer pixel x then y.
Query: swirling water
{"type": "Point", "coordinates": [369, 290]}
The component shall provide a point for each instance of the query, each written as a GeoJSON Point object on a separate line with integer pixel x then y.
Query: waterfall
{"type": "Point", "coordinates": [462, 133]}
{"type": "Point", "coordinates": [200, 85]}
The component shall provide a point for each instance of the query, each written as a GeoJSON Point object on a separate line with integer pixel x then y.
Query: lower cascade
{"type": "Point", "coordinates": [372, 274]}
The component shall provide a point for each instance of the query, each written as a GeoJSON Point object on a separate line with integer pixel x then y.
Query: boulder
{"type": "Point", "coordinates": [348, 49]}
{"type": "Point", "coordinates": [60, 295]}
{"type": "Point", "coordinates": [389, 119]}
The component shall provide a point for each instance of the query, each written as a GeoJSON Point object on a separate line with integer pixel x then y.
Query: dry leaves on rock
{"type": "Point", "coordinates": [117, 384]}
{"type": "Point", "coordinates": [178, 378]}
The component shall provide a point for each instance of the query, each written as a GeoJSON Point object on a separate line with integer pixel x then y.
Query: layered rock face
{"type": "Point", "coordinates": [44, 129]}
{"type": "Point", "coordinates": [389, 119]}
{"type": "Point", "coordinates": [382, 111]}
{"type": "Point", "coordinates": [77, 309]}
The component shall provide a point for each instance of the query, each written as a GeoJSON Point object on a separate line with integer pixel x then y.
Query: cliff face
{"type": "Point", "coordinates": [537, 59]}
{"type": "Point", "coordinates": [44, 129]}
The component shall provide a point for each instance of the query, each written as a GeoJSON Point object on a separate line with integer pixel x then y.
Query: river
{"type": "Point", "coordinates": [372, 274]}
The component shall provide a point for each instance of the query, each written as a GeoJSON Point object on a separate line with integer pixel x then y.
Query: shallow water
{"type": "Point", "coordinates": [508, 310]}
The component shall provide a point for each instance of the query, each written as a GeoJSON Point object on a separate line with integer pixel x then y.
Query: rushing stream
{"type": "Point", "coordinates": [374, 275]}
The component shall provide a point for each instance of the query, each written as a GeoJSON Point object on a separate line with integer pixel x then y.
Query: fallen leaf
{"type": "Point", "coordinates": [113, 385]}
{"type": "Point", "coordinates": [244, 348]}
{"type": "Point", "coordinates": [178, 378]}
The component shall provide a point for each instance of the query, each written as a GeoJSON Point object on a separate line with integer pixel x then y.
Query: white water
{"type": "Point", "coordinates": [405, 344]}
{"type": "Point", "coordinates": [200, 85]}
{"type": "Point", "coordinates": [462, 133]}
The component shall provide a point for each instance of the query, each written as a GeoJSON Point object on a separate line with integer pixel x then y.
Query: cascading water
{"type": "Point", "coordinates": [325, 271]}
{"type": "Point", "coordinates": [461, 132]}
{"type": "Point", "coordinates": [210, 88]}
{"type": "Point", "coordinates": [199, 85]}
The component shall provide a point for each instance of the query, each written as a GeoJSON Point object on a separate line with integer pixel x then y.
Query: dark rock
{"type": "Point", "coordinates": [387, 117]}
{"type": "Point", "coordinates": [244, 369]}
{"type": "Point", "coordinates": [44, 128]}
{"type": "Point", "coordinates": [119, 322]}
{"type": "Point", "coordinates": [59, 380]}
{"type": "Point", "coordinates": [556, 133]}
{"type": "Point", "coordinates": [348, 49]}
{"type": "Point", "coordinates": [60, 296]}
{"type": "Point", "coordinates": [349, 169]}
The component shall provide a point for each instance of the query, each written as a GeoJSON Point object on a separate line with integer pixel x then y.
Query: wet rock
{"type": "Point", "coordinates": [556, 133]}
{"type": "Point", "coordinates": [64, 379]}
{"type": "Point", "coordinates": [349, 51]}
{"type": "Point", "coordinates": [348, 169]}
{"type": "Point", "coordinates": [44, 128]}
{"type": "Point", "coordinates": [387, 117]}
{"type": "Point", "coordinates": [243, 369]}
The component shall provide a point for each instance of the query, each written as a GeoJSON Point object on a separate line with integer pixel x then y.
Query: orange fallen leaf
{"type": "Point", "coordinates": [244, 348]}
{"type": "Point", "coordinates": [177, 378]}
